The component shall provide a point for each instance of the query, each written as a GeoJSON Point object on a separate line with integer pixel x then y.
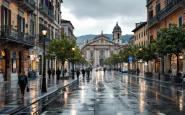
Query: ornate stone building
{"type": "Point", "coordinates": [100, 48]}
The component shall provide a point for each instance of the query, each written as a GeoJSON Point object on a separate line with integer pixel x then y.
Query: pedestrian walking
{"type": "Point", "coordinates": [49, 73]}
{"type": "Point", "coordinates": [58, 73]}
{"type": "Point", "coordinates": [138, 71]}
{"type": "Point", "coordinates": [32, 74]}
{"type": "Point", "coordinates": [77, 73]}
{"type": "Point", "coordinates": [104, 69]}
{"type": "Point", "coordinates": [88, 72]}
{"type": "Point", "coordinates": [23, 82]}
{"type": "Point", "coordinates": [83, 73]}
{"type": "Point", "coordinates": [53, 72]}
{"type": "Point", "coordinates": [65, 70]}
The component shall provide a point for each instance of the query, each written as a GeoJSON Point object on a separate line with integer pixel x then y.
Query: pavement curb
{"type": "Point", "coordinates": [37, 100]}
{"type": "Point", "coordinates": [177, 84]}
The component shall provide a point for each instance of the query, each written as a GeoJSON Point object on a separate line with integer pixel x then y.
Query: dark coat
{"type": "Point", "coordinates": [23, 83]}
{"type": "Point", "coordinates": [83, 71]}
{"type": "Point", "coordinates": [58, 72]}
{"type": "Point", "coordinates": [49, 72]}
{"type": "Point", "coordinates": [77, 72]}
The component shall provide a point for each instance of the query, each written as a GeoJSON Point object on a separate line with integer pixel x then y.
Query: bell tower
{"type": "Point", "coordinates": [117, 34]}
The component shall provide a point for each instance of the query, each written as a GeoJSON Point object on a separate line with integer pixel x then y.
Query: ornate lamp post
{"type": "Point", "coordinates": [82, 61]}
{"type": "Point", "coordinates": [44, 33]}
{"type": "Point", "coordinates": [73, 63]}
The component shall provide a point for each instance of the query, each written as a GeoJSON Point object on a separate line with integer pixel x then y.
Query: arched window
{"type": "Point", "coordinates": [118, 35]}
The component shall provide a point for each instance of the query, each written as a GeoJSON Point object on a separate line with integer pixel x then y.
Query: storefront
{"type": "Point", "coordinates": [3, 69]}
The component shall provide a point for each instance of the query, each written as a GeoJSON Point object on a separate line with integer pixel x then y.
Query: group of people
{"type": "Point", "coordinates": [23, 79]}
{"type": "Point", "coordinates": [83, 71]}
{"type": "Point", "coordinates": [58, 73]}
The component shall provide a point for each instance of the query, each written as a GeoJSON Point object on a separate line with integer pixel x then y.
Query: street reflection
{"type": "Point", "coordinates": [181, 103]}
{"type": "Point", "coordinates": [142, 95]}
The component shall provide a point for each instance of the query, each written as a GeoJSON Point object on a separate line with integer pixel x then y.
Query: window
{"type": "Point", "coordinates": [118, 35]}
{"type": "Point", "coordinates": [158, 8]}
{"type": "Point", "coordinates": [101, 41]}
{"type": "Point", "coordinates": [91, 54]}
{"type": "Point", "coordinates": [118, 40]}
{"type": "Point", "coordinates": [21, 26]}
{"type": "Point", "coordinates": [151, 14]}
{"type": "Point", "coordinates": [169, 25]}
{"type": "Point", "coordinates": [151, 38]}
{"type": "Point", "coordinates": [32, 32]}
{"type": "Point", "coordinates": [180, 21]}
{"type": "Point", "coordinates": [139, 35]}
{"type": "Point", "coordinates": [101, 52]}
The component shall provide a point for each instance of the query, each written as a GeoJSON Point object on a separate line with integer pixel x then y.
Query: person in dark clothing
{"type": "Point", "coordinates": [77, 73]}
{"type": "Point", "coordinates": [23, 82]}
{"type": "Point", "coordinates": [83, 73]}
{"type": "Point", "coordinates": [88, 72]}
{"type": "Point", "coordinates": [58, 72]}
{"type": "Point", "coordinates": [32, 74]}
{"type": "Point", "coordinates": [49, 73]}
{"type": "Point", "coordinates": [104, 69]}
{"type": "Point", "coordinates": [65, 70]}
{"type": "Point", "coordinates": [138, 71]}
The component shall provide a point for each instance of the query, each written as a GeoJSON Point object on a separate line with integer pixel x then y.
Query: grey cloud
{"type": "Point", "coordinates": [100, 9]}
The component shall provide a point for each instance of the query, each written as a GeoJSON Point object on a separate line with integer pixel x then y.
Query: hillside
{"type": "Point", "coordinates": [88, 37]}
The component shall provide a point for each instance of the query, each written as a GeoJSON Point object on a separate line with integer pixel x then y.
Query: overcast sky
{"type": "Point", "coordinates": [93, 16]}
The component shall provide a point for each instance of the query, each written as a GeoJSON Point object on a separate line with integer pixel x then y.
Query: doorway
{"type": "Point", "coordinates": [101, 62]}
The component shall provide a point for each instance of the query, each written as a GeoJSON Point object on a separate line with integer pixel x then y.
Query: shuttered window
{"type": "Point", "coordinates": [180, 21]}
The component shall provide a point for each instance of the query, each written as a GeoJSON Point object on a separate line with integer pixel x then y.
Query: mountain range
{"type": "Point", "coordinates": [80, 39]}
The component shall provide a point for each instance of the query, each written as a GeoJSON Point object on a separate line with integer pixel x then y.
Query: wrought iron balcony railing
{"type": "Point", "coordinates": [28, 5]}
{"type": "Point", "coordinates": [174, 5]}
{"type": "Point", "coordinates": [44, 8]}
{"type": "Point", "coordinates": [13, 35]}
{"type": "Point", "coordinates": [51, 14]}
{"type": "Point", "coordinates": [8, 31]}
{"type": "Point", "coordinates": [170, 8]}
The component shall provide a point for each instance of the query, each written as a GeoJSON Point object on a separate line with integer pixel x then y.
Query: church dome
{"type": "Point", "coordinates": [117, 28]}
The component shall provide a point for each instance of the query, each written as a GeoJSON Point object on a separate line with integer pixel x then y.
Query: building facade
{"type": "Point", "coordinates": [21, 24]}
{"type": "Point", "coordinates": [140, 34]}
{"type": "Point", "coordinates": [67, 28]}
{"type": "Point", "coordinates": [47, 15]}
{"type": "Point", "coordinates": [163, 13]}
{"type": "Point", "coordinates": [140, 39]}
{"type": "Point", "coordinates": [100, 48]}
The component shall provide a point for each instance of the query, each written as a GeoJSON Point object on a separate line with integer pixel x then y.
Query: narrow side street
{"type": "Point", "coordinates": [112, 94]}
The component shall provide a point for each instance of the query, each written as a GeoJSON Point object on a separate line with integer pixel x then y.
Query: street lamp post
{"type": "Point", "coordinates": [82, 61]}
{"type": "Point", "coordinates": [73, 63]}
{"type": "Point", "coordinates": [44, 33]}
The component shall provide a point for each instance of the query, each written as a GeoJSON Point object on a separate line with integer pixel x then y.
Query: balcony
{"type": "Point", "coordinates": [173, 6]}
{"type": "Point", "coordinates": [153, 21]}
{"type": "Point", "coordinates": [44, 8]}
{"type": "Point", "coordinates": [28, 5]}
{"type": "Point", "coordinates": [11, 35]}
{"type": "Point", "coordinates": [148, 2]}
{"type": "Point", "coordinates": [170, 8]}
{"type": "Point", "coordinates": [51, 14]}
